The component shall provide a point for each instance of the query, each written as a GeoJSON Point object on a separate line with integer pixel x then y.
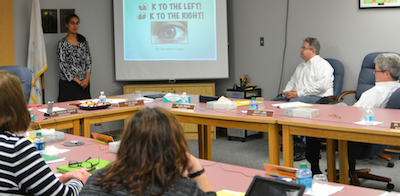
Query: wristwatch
{"type": "Point", "coordinates": [195, 174]}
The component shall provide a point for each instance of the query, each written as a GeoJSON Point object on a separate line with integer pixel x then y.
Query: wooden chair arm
{"type": "Point", "coordinates": [345, 93]}
{"type": "Point", "coordinates": [333, 97]}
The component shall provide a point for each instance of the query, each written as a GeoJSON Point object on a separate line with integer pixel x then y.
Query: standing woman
{"type": "Point", "coordinates": [75, 63]}
{"type": "Point", "coordinates": [23, 170]}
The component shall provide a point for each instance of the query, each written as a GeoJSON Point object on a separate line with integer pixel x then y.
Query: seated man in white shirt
{"type": "Point", "coordinates": [387, 72]}
{"type": "Point", "coordinates": [313, 78]}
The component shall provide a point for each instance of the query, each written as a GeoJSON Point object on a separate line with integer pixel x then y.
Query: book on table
{"type": "Point", "coordinates": [52, 159]}
{"type": "Point", "coordinates": [95, 164]}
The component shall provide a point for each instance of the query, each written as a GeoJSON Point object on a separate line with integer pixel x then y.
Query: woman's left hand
{"type": "Point", "coordinates": [85, 83]}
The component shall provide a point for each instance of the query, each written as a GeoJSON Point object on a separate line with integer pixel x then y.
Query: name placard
{"type": "Point", "coordinates": [63, 112]}
{"type": "Point", "coordinates": [131, 103]}
{"type": "Point", "coordinates": [395, 125]}
{"type": "Point", "coordinates": [261, 113]}
{"type": "Point", "coordinates": [181, 106]}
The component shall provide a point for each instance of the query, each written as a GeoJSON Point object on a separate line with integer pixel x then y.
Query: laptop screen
{"type": "Point", "coordinates": [274, 187]}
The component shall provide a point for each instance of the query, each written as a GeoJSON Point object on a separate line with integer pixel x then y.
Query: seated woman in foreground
{"type": "Point", "coordinates": [23, 170]}
{"type": "Point", "coordinates": [153, 159]}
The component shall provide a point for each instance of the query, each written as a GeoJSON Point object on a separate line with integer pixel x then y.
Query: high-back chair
{"type": "Point", "coordinates": [359, 151]}
{"type": "Point", "coordinates": [366, 80]}
{"type": "Point", "coordinates": [24, 75]}
{"type": "Point", "coordinates": [338, 74]}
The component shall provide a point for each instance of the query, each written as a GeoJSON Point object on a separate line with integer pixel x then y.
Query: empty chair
{"type": "Point", "coordinates": [24, 75]}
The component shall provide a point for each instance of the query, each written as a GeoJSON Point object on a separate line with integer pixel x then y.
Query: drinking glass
{"type": "Point", "coordinates": [320, 184]}
{"type": "Point", "coordinates": [260, 101]}
{"type": "Point", "coordinates": [138, 94]}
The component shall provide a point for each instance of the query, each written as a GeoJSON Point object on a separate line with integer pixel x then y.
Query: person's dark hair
{"type": "Point", "coordinates": [389, 62]}
{"type": "Point", "coordinates": [314, 44]}
{"type": "Point", "coordinates": [80, 37]}
{"type": "Point", "coordinates": [69, 17]}
{"type": "Point", "coordinates": [152, 153]}
{"type": "Point", "coordinates": [14, 115]}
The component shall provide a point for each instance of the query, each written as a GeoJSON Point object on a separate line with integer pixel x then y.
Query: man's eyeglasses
{"type": "Point", "coordinates": [86, 163]}
{"type": "Point", "coordinates": [304, 48]}
{"type": "Point", "coordinates": [379, 71]}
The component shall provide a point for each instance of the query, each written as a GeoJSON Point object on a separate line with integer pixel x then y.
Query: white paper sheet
{"type": "Point", "coordinates": [291, 104]}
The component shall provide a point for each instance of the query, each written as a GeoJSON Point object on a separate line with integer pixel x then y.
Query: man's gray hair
{"type": "Point", "coordinates": [314, 44]}
{"type": "Point", "coordinates": [389, 62]}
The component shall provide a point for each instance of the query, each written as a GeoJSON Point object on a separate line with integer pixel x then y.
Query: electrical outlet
{"type": "Point", "coordinates": [261, 41]}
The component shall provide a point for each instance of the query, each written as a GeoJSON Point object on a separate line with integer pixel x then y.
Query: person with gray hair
{"type": "Point", "coordinates": [312, 79]}
{"type": "Point", "coordinates": [387, 72]}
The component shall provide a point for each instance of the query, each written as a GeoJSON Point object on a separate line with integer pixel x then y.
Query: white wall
{"type": "Point", "coordinates": [345, 32]}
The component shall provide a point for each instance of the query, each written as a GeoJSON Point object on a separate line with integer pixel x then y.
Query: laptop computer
{"type": "Point", "coordinates": [274, 187]}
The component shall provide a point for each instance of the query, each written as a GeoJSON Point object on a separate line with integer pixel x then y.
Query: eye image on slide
{"type": "Point", "coordinates": [171, 32]}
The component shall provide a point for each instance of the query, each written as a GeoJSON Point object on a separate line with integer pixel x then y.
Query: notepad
{"type": "Point", "coordinates": [229, 193]}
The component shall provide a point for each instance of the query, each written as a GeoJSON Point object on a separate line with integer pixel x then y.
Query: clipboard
{"type": "Point", "coordinates": [101, 138]}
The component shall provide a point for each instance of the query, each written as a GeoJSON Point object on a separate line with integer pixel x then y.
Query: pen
{"type": "Point", "coordinates": [34, 105]}
{"type": "Point", "coordinates": [276, 176]}
{"type": "Point", "coordinates": [334, 115]}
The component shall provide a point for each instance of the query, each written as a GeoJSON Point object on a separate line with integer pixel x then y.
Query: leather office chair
{"type": "Point", "coordinates": [338, 74]}
{"type": "Point", "coordinates": [364, 150]}
{"type": "Point", "coordinates": [24, 75]}
{"type": "Point", "coordinates": [366, 80]}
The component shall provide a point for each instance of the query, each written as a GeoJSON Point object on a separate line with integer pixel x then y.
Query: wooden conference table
{"type": "Point", "coordinates": [79, 124]}
{"type": "Point", "coordinates": [221, 175]}
{"type": "Point", "coordinates": [205, 118]}
{"type": "Point", "coordinates": [343, 130]}
{"type": "Point", "coordinates": [323, 126]}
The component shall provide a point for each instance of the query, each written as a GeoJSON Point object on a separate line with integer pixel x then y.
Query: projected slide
{"type": "Point", "coordinates": [169, 30]}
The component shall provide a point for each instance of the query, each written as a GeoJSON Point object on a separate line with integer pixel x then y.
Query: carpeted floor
{"type": "Point", "coordinates": [254, 152]}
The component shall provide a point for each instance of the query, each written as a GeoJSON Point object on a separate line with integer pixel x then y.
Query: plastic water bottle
{"type": "Point", "coordinates": [39, 141]}
{"type": "Point", "coordinates": [102, 97]}
{"type": "Point", "coordinates": [304, 176]}
{"type": "Point", "coordinates": [253, 104]}
{"type": "Point", "coordinates": [184, 98]}
{"type": "Point", "coordinates": [369, 116]}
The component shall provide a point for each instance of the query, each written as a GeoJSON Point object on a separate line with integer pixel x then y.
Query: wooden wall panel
{"type": "Point", "coordinates": [7, 56]}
